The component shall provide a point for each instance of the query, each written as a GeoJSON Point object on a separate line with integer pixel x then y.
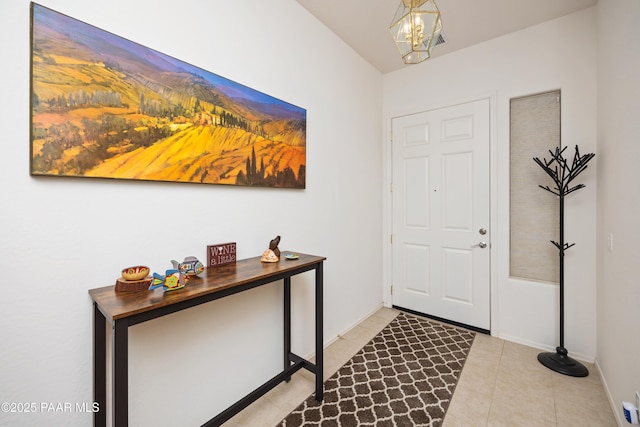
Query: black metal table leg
{"type": "Point", "coordinates": [120, 373]}
{"type": "Point", "coordinates": [319, 335]}
{"type": "Point", "coordinates": [287, 324]}
{"type": "Point", "coordinates": [99, 367]}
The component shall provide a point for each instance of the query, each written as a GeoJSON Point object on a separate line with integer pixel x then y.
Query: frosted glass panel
{"type": "Point", "coordinates": [534, 220]}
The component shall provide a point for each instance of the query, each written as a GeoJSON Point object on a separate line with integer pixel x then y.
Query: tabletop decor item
{"type": "Point", "coordinates": [221, 253]}
{"type": "Point", "coordinates": [135, 273]}
{"type": "Point", "coordinates": [133, 279]}
{"type": "Point", "coordinates": [273, 253]}
{"type": "Point", "coordinates": [189, 267]}
{"type": "Point", "coordinates": [103, 106]}
{"type": "Point", "coordinates": [563, 173]}
{"type": "Point", "coordinates": [171, 281]}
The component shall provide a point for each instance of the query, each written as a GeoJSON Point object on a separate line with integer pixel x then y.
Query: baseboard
{"type": "Point", "coordinates": [543, 347]}
{"type": "Point", "coordinates": [617, 412]}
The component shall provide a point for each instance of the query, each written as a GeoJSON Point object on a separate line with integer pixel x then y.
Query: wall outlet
{"type": "Point", "coordinates": [630, 412]}
{"type": "Point", "coordinates": [610, 242]}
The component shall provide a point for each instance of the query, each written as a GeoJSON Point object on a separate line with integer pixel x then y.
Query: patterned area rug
{"type": "Point", "coordinates": [405, 376]}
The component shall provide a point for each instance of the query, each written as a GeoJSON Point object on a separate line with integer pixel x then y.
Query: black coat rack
{"type": "Point", "coordinates": [563, 173]}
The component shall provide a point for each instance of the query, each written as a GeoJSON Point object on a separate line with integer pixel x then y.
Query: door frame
{"type": "Point", "coordinates": [387, 203]}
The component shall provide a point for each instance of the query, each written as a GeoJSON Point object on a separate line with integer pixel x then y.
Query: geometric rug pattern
{"type": "Point", "coordinates": [404, 376]}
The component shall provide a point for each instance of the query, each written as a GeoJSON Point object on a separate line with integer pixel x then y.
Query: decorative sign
{"type": "Point", "coordinates": [220, 254]}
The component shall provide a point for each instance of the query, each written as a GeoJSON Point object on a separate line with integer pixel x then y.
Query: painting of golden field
{"type": "Point", "coordinates": [105, 107]}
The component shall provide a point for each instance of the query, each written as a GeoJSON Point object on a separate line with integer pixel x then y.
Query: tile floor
{"type": "Point", "coordinates": [502, 384]}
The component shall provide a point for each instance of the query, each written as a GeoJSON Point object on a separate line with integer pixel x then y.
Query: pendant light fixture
{"type": "Point", "coordinates": [415, 29]}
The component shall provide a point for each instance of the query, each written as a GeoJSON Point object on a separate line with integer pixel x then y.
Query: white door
{"type": "Point", "coordinates": [441, 237]}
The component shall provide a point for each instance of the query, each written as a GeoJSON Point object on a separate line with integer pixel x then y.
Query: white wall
{"type": "Point", "coordinates": [60, 237]}
{"type": "Point", "coordinates": [558, 54]}
{"type": "Point", "coordinates": [618, 302]}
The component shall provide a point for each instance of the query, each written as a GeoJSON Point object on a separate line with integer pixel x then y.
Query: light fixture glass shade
{"type": "Point", "coordinates": [415, 29]}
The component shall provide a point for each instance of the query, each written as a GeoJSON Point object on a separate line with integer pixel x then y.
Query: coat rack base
{"type": "Point", "coordinates": [562, 363]}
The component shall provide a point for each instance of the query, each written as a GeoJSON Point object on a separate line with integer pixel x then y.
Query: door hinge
{"type": "Point", "coordinates": [391, 289]}
{"type": "Point", "coordinates": [391, 239]}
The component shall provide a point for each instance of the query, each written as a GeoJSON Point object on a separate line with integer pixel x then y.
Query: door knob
{"type": "Point", "coordinates": [481, 244]}
{"type": "Point", "coordinates": [482, 231]}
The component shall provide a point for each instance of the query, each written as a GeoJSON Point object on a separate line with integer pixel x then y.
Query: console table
{"type": "Point", "coordinates": [124, 309]}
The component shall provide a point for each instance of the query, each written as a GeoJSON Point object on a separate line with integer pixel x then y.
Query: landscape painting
{"type": "Point", "coordinates": [105, 107]}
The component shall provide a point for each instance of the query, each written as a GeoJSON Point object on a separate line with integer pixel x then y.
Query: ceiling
{"type": "Point", "coordinates": [364, 24]}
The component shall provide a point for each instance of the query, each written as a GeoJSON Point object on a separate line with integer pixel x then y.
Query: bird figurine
{"type": "Point", "coordinates": [273, 253]}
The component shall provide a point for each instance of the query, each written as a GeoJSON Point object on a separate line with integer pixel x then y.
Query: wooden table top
{"type": "Point", "coordinates": [118, 305]}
